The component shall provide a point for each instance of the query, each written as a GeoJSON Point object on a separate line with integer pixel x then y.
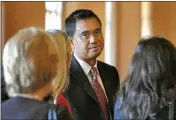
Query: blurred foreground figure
{"type": "Point", "coordinates": [64, 48]}
{"type": "Point", "coordinates": [149, 90]}
{"type": "Point", "coordinates": [31, 64]}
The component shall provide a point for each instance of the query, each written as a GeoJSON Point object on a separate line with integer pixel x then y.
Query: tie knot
{"type": "Point", "coordinates": [94, 71]}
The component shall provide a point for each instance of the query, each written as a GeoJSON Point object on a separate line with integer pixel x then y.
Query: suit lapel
{"type": "Point", "coordinates": [81, 78]}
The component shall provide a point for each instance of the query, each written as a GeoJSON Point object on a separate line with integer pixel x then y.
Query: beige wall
{"type": "Point", "coordinates": [164, 19]}
{"type": "Point", "coordinates": [129, 32]}
{"type": "Point", "coordinates": [19, 15]}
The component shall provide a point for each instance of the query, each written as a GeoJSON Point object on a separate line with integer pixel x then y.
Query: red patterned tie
{"type": "Point", "coordinates": [99, 92]}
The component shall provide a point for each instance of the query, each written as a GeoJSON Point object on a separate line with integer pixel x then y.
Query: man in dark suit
{"type": "Point", "coordinates": [93, 84]}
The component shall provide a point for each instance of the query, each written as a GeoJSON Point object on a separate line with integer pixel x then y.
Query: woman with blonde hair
{"type": "Point", "coordinates": [31, 64]}
{"type": "Point", "coordinates": [64, 48]}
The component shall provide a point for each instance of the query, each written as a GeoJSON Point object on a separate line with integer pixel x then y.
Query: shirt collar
{"type": "Point", "coordinates": [85, 66]}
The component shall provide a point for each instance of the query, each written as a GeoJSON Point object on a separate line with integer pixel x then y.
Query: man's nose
{"type": "Point", "coordinates": [92, 38]}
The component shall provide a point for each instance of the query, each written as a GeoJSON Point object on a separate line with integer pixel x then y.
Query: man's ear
{"type": "Point", "coordinates": [73, 44]}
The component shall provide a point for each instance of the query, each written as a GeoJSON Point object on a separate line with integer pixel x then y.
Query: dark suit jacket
{"type": "Point", "coordinates": [25, 108]}
{"type": "Point", "coordinates": [81, 95]}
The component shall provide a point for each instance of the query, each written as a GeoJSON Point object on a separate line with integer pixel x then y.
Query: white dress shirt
{"type": "Point", "coordinates": [86, 68]}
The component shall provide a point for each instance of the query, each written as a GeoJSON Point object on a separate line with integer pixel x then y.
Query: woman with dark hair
{"type": "Point", "coordinates": [149, 89]}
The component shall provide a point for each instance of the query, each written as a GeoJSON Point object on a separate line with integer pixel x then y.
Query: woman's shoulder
{"type": "Point", "coordinates": [117, 112]}
{"type": "Point", "coordinates": [61, 100]}
{"type": "Point", "coordinates": [62, 112]}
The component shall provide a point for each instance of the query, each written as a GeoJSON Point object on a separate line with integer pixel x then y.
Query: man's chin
{"type": "Point", "coordinates": [95, 55]}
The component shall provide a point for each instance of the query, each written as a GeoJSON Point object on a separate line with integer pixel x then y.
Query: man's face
{"type": "Point", "coordinates": [88, 40]}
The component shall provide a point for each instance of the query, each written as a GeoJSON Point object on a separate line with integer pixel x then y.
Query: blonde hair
{"type": "Point", "coordinates": [63, 45]}
{"type": "Point", "coordinates": [30, 61]}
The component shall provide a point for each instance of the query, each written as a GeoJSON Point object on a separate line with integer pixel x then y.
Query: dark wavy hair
{"type": "Point", "coordinates": [151, 80]}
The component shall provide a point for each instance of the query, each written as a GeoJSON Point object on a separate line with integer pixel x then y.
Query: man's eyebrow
{"type": "Point", "coordinates": [84, 32]}
{"type": "Point", "coordinates": [97, 29]}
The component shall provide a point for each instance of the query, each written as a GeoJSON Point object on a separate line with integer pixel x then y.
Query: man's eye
{"type": "Point", "coordinates": [85, 34]}
{"type": "Point", "coordinates": [97, 33]}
